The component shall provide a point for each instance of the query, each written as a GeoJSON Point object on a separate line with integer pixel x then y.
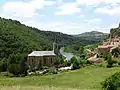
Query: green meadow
{"type": "Point", "coordinates": [88, 78]}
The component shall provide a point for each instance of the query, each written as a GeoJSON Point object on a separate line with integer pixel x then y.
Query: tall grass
{"type": "Point", "coordinates": [34, 88]}
{"type": "Point", "coordinates": [88, 78]}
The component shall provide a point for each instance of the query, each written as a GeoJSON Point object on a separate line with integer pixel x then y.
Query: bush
{"type": "Point", "coordinates": [76, 65]}
{"type": "Point", "coordinates": [14, 69]}
{"type": "Point", "coordinates": [67, 63]}
{"type": "Point", "coordinates": [119, 63]}
{"type": "Point", "coordinates": [82, 62]}
{"type": "Point", "coordinates": [110, 61]}
{"type": "Point", "coordinates": [112, 83]}
{"type": "Point", "coordinates": [50, 71]}
{"type": "Point", "coordinates": [73, 59]}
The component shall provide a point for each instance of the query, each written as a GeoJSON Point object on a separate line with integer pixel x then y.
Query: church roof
{"type": "Point", "coordinates": [42, 53]}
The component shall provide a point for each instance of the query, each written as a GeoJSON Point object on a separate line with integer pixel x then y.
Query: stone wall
{"type": "Point", "coordinates": [36, 61]}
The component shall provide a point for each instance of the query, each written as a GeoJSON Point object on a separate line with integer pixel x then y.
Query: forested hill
{"type": "Point", "coordinates": [93, 35]}
{"type": "Point", "coordinates": [17, 40]}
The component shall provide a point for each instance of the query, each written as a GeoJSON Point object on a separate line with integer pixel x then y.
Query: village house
{"type": "Point", "coordinates": [43, 58]}
{"type": "Point", "coordinates": [95, 60]}
{"type": "Point", "coordinates": [91, 53]}
{"type": "Point", "coordinates": [104, 49]}
{"type": "Point", "coordinates": [112, 43]}
{"type": "Point", "coordinates": [108, 46]}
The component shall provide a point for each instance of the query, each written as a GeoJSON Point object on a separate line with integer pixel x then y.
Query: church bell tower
{"type": "Point", "coordinates": [55, 48]}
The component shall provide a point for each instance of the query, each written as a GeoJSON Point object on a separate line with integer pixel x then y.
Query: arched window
{"type": "Point", "coordinates": [51, 61]}
{"type": "Point", "coordinates": [44, 60]}
{"type": "Point", "coordinates": [32, 60]}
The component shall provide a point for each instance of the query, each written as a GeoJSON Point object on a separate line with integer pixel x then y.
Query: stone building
{"type": "Point", "coordinates": [43, 58]}
{"type": "Point", "coordinates": [95, 60]}
{"type": "Point", "coordinates": [108, 46]}
{"type": "Point", "coordinates": [104, 49]}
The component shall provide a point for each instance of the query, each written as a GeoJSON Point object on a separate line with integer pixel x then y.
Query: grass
{"type": "Point", "coordinates": [88, 78]}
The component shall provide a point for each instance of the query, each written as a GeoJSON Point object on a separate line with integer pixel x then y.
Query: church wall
{"type": "Point", "coordinates": [41, 61]}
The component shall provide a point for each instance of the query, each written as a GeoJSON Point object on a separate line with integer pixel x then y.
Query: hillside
{"type": "Point", "coordinates": [115, 32]}
{"type": "Point", "coordinates": [17, 40]}
{"type": "Point", "coordinates": [93, 35]}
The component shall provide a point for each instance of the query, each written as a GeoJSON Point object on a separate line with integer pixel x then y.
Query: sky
{"type": "Point", "coordinates": [66, 16]}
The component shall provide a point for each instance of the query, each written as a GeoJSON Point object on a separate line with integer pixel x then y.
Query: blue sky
{"type": "Point", "coordinates": [67, 16]}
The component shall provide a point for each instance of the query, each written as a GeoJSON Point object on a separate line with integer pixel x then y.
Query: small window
{"type": "Point", "coordinates": [44, 60]}
{"type": "Point", "coordinates": [32, 60]}
{"type": "Point", "coordinates": [51, 60]}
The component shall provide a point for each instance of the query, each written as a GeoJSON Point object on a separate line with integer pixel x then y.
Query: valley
{"type": "Point", "coordinates": [32, 59]}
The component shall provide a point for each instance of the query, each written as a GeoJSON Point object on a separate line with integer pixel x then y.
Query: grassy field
{"type": "Point", "coordinates": [88, 78]}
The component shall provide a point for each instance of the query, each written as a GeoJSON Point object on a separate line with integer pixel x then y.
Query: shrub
{"type": "Point", "coordinates": [116, 52]}
{"type": "Point", "coordinates": [52, 71]}
{"type": "Point", "coordinates": [14, 69]}
{"type": "Point", "coordinates": [73, 59]}
{"type": "Point", "coordinates": [83, 62]}
{"type": "Point", "coordinates": [67, 63]}
{"type": "Point", "coordinates": [45, 67]}
{"type": "Point", "coordinates": [110, 61]}
{"type": "Point", "coordinates": [119, 63]}
{"type": "Point", "coordinates": [112, 83]}
{"type": "Point", "coordinates": [76, 65]}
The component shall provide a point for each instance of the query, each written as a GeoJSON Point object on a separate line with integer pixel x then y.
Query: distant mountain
{"type": "Point", "coordinates": [93, 35]}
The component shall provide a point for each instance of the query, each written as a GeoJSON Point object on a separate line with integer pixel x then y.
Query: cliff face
{"type": "Point", "coordinates": [113, 42]}
{"type": "Point", "coordinates": [115, 36]}
{"type": "Point", "coordinates": [115, 32]}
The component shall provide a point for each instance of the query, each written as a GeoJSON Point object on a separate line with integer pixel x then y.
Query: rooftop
{"type": "Point", "coordinates": [107, 46]}
{"type": "Point", "coordinates": [42, 53]}
{"type": "Point", "coordinates": [95, 59]}
{"type": "Point", "coordinates": [102, 46]}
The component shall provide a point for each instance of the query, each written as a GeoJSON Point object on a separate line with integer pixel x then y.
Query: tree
{"type": "Point", "coordinates": [23, 67]}
{"type": "Point", "coordinates": [3, 65]}
{"type": "Point", "coordinates": [73, 59]}
{"type": "Point", "coordinates": [116, 52]}
{"type": "Point", "coordinates": [14, 69]}
{"type": "Point", "coordinates": [105, 56]}
{"type": "Point", "coordinates": [112, 82]}
{"type": "Point", "coordinates": [81, 50]}
{"type": "Point", "coordinates": [67, 63]}
{"type": "Point", "coordinates": [110, 61]}
{"type": "Point", "coordinates": [76, 65]}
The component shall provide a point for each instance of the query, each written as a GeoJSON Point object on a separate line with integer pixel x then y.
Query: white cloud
{"type": "Point", "coordinates": [49, 2]}
{"type": "Point", "coordinates": [92, 2]}
{"type": "Point", "coordinates": [19, 9]}
{"type": "Point", "coordinates": [113, 26]}
{"type": "Point", "coordinates": [24, 9]}
{"type": "Point", "coordinates": [95, 20]}
{"type": "Point", "coordinates": [110, 11]}
{"type": "Point", "coordinates": [81, 16]}
{"type": "Point", "coordinates": [59, 2]}
{"type": "Point", "coordinates": [61, 26]}
{"type": "Point", "coordinates": [68, 8]}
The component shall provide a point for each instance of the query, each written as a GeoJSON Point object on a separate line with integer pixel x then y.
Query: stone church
{"type": "Point", "coordinates": [43, 58]}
